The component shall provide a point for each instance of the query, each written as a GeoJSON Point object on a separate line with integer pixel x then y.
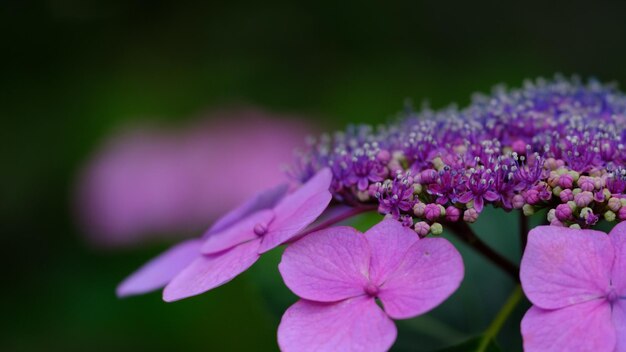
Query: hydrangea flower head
{"type": "Point", "coordinates": [576, 280]}
{"type": "Point", "coordinates": [339, 273]}
{"type": "Point", "coordinates": [545, 144]}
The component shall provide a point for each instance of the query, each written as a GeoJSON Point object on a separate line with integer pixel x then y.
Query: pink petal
{"type": "Point", "coordinates": [563, 266]}
{"type": "Point", "coordinates": [389, 241]}
{"type": "Point", "coordinates": [355, 324]}
{"type": "Point", "coordinates": [618, 237]}
{"type": "Point", "coordinates": [491, 196]}
{"type": "Point", "coordinates": [210, 271]}
{"type": "Point", "coordinates": [328, 265]}
{"type": "Point", "coordinates": [299, 209]}
{"type": "Point", "coordinates": [479, 204]}
{"type": "Point", "coordinates": [580, 327]}
{"type": "Point", "coordinates": [237, 233]}
{"type": "Point", "coordinates": [159, 271]}
{"type": "Point", "coordinates": [263, 200]}
{"type": "Point", "coordinates": [466, 197]}
{"type": "Point", "coordinates": [619, 321]}
{"type": "Point", "coordinates": [430, 272]}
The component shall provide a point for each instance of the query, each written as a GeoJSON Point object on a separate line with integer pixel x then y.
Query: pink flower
{"type": "Point", "coordinates": [339, 272]}
{"type": "Point", "coordinates": [228, 253]}
{"type": "Point", "coordinates": [161, 270]}
{"type": "Point", "coordinates": [577, 283]}
{"type": "Point", "coordinates": [187, 271]}
{"type": "Point", "coordinates": [154, 181]}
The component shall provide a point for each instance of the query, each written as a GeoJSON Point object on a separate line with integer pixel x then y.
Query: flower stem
{"type": "Point", "coordinates": [342, 215]}
{"type": "Point", "coordinates": [462, 230]}
{"type": "Point", "coordinates": [523, 230]}
{"type": "Point", "coordinates": [497, 323]}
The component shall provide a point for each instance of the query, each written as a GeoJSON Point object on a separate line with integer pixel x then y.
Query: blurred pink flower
{"type": "Point", "coordinates": [149, 182]}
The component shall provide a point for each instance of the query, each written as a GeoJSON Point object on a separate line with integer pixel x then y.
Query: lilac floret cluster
{"type": "Point", "coordinates": [552, 144]}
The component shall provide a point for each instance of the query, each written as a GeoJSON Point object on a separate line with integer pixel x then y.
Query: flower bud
{"type": "Point", "coordinates": [614, 204]}
{"type": "Point", "coordinates": [563, 212]}
{"type": "Point", "coordinates": [583, 199]}
{"type": "Point", "coordinates": [566, 181]}
{"type": "Point", "coordinates": [470, 215]}
{"type": "Point", "coordinates": [528, 210]}
{"type": "Point", "coordinates": [422, 228]}
{"type": "Point", "coordinates": [566, 195]}
{"type": "Point", "coordinates": [518, 201]}
{"type": "Point", "coordinates": [551, 215]}
{"type": "Point", "coordinates": [556, 222]}
{"type": "Point", "coordinates": [621, 214]}
{"type": "Point", "coordinates": [453, 214]}
{"type": "Point", "coordinates": [609, 216]}
{"type": "Point", "coordinates": [432, 212]}
{"type": "Point", "coordinates": [585, 212]}
{"type": "Point", "coordinates": [436, 229]}
{"type": "Point", "coordinates": [586, 184]}
{"type": "Point", "coordinates": [418, 209]}
{"type": "Point", "coordinates": [532, 196]}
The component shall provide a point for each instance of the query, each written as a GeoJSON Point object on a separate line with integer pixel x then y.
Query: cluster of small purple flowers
{"type": "Point", "coordinates": [552, 144]}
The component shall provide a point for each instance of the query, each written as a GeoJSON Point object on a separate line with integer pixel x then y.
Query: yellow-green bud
{"type": "Point", "coordinates": [443, 210]}
{"type": "Point", "coordinates": [528, 209]}
{"type": "Point", "coordinates": [584, 212]}
{"type": "Point", "coordinates": [438, 163]}
{"type": "Point", "coordinates": [609, 216]}
{"type": "Point", "coordinates": [572, 205]}
{"type": "Point", "coordinates": [436, 229]}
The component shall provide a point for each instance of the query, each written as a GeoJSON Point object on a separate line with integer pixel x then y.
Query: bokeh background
{"type": "Point", "coordinates": [74, 73]}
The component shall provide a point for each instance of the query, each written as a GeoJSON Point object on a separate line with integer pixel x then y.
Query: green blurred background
{"type": "Point", "coordinates": [74, 71]}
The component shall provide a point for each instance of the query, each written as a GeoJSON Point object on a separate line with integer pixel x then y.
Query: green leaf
{"type": "Point", "coordinates": [472, 345]}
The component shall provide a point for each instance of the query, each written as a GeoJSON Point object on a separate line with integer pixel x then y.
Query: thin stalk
{"type": "Point", "coordinates": [497, 323]}
{"type": "Point", "coordinates": [336, 219]}
{"type": "Point", "coordinates": [462, 230]}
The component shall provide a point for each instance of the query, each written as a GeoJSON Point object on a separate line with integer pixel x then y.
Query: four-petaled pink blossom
{"type": "Point", "coordinates": [233, 243]}
{"type": "Point", "coordinates": [339, 273]}
{"type": "Point", "coordinates": [230, 252]}
{"type": "Point", "coordinates": [576, 280]}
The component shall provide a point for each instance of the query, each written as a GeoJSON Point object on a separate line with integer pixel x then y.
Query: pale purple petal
{"type": "Point", "coordinates": [619, 321]}
{"type": "Point", "coordinates": [563, 266]}
{"type": "Point", "coordinates": [242, 231]}
{"type": "Point", "coordinates": [328, 265]}
{"type": "Point", "coordinates": [389, 241]}
{"type": "Point", "coordinates": [479, 203]}
{"type": "Point", "coordinates": [618, 237]}
{"type": "Point", "coordinates": [263, 200]}
{"type": "Point", "coordinates": [580, 327]}
{"type": "Point", "coordinates": [430, 272]}
{"type": "Point", "coordinates": [210, 271]}
{"type": "Point", "coordinates": [299, 209]}
{"type": "Point", "coordinates": [159, 271]}
{"type": "Point", "coordinates": [355, 324]}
